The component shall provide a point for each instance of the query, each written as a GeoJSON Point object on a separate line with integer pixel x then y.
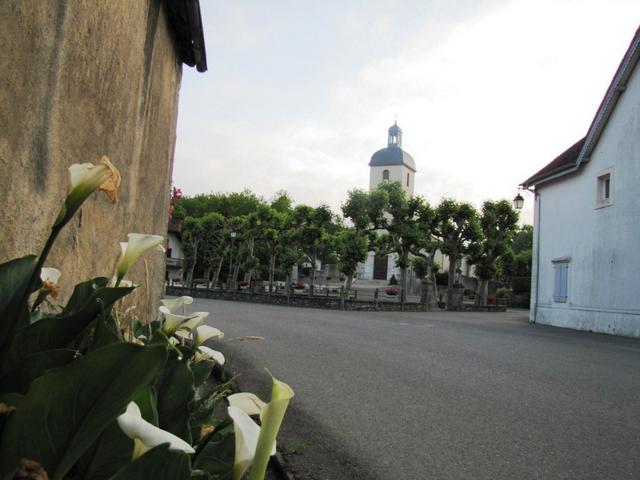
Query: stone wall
{"type": "Point", "coordinates": [328, 302]}
{"type": "Point", "coordinates": [79, 80]}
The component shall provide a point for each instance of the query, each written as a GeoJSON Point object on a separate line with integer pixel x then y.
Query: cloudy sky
{"type": "Point", "coordinates": [299, 94]}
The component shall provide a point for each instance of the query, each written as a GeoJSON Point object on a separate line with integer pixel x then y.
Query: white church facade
{"type": "Point", "coordinates": [391, 164]}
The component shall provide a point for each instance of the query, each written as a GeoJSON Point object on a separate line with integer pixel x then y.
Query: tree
{"type": "Point", "coordinates": [457, 228]}
{"type": "Point", "coordinates": [350, 247]}
{"type": "Point", "coordinates": [312, 228]}
{"type": "Point", "coordinates": [403, 224]}
{"type": "Point", "coordinates": [191, 239]}
{"type": "Point", "coordinates": [498, 222]}
{"type": "Point", "coordinates": [213, 245]}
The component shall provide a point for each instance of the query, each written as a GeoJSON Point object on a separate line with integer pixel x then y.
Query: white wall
{"type": "Point", "coordinates": [397, 173]}
{"type": "Point", "coordinates": [175, 246]}
{"type": "Point", "coordinates": [603, 244]}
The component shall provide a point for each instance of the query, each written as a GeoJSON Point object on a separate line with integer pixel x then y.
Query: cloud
{"type": "Point", "coordinates": [484, 102]}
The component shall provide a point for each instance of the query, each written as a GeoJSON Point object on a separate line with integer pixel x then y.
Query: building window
{"type": "Point", "coordinates": [408, 179]}
{"type": "Point", "coordinates": [385, 175]}
{"type": "Point", "coordinates": [604, 189]}
{"type": "Point", "coordinates": [561, 280]}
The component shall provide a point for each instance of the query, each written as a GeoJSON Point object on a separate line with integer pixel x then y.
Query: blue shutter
{"type": "Point", "coordinates": [560, 281]}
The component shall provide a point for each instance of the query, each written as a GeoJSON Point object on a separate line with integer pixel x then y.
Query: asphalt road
{"type": "Point", "coordinates": [389, 395]}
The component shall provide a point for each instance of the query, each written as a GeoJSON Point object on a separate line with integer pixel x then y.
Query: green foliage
{"type": "Point", "coordinates": [521, 284]}
{"type": "Point", "coordinates": [66, 378]}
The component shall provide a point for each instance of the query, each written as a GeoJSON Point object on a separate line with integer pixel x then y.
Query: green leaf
{"type": "Point", "coordinates": [146, 401]}
{"type": "Point", "coordinates": [110, 453]}
{"type": "Point", "coordinates": [175, 394]}
{"type": "Point", "coordinates": [201, 371]}
{"type": "Point", "coordinates": [60, 331]}
{"type": "Point", "coordinates": [217, 455]}
{"type": "Point", "coordinates": [14, 280]}
{"type": "Point", "coordinates": [158, 463]}
{"type": "Point", "coordinates": [66, 410]}
{"type": "Point", "coordinates": [82, 293]}
{"type": "Point", "coordinates": [19, 379]}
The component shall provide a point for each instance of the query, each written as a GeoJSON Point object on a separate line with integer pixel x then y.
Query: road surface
{"type": "Point", "coordinates": [440, 395]}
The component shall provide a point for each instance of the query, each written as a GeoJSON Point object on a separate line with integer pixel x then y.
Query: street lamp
{"type": "Point", "coordinates": [518, 201]}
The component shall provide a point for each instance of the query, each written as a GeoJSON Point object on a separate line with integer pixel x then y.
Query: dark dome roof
{"type": "Point", "coordinates": [392, 156]}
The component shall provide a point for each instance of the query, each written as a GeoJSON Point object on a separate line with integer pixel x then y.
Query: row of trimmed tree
{"type": "Point", "coordinates": [226, 236]}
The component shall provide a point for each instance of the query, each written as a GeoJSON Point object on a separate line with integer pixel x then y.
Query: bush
{"type": "Point", "coordinates": [393, 280]}
{"type": "Point", "coordinates": [521, 284]}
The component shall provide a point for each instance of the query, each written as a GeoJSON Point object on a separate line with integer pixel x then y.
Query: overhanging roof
{"type": "Point", "coordinates": [575, 156]}
{"type": "Point", "coordinates": [186, 21]}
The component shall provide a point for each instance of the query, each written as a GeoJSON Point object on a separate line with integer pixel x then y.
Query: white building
{"type": "Point", "coordinates": [586, 255]}
{"type": "Point", "coordinates": [395, 165]}
{"type": "Point", "coordinates": [175, 256]}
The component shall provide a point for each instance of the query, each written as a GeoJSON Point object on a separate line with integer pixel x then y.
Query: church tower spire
{"type": "Point", "coordinates": [395, 135]}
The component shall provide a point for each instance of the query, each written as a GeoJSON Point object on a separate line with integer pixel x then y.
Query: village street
{"type": "Point", "coordinates": [440, 395]}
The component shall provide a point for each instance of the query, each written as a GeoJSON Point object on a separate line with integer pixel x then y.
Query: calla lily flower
{"type": "Point", "coordinates": [172, 321]}
{"type": "Point", "coordinates": [214, 355]}
{"type": "Point", "coordinates": [248, 402]}
{"type": "Point", "coordinates": [48, 274]}
{"type": "Point", "coordinates": [146, 435]}
{"type": "Point", "coordinates": [248, 450]}
{"type": "Point", "coordinates": [84, 179]}
{"type": "Point", "coordinates": [174, 303]}
{"type": "Point", "coordinates": [205, 332]}
{"type": "Point", "coordinates": [138, 245]}
{"type": "Point", "coordinates": [247, 433]}
{"type": "Point", "coordinates": [194, 321]}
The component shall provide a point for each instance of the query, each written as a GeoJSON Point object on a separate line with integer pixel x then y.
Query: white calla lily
{"type": "Point", "coordinates": [214, 355]}
{"type": "Point", "coordinates": [250, 452]}
{"type": "Point", "coordinates": [248, 402]}
{"type": "Point", "coordinates": [171, 321]}
{"type": "Point", "coordinates": [174, 303]}
{"type": "Point", "coordinates": [147, 435]}
{"type": "Point", "coordinates": [247, 433]}
{"type": "Point", "coordinates": [138, 245]}
{"type": "Point", "coordinates": [205, 332]}
{"type": "Point", "coordinates": [48, 274]}
{"type": "Point", "coordinates": [194, 321]}
{"type": "Point", "coordinates": [84, 179]}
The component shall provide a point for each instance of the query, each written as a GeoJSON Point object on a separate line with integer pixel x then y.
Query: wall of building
{"type": "Point", "coordinates": [397, 173]}
{"type": "Point", "coordinates": [80, 80]}
{"type": "Point", "coordinates": [600, 243]}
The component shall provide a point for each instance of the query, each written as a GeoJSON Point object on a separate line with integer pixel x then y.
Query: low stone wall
{"type": "Point", "coordinates": [327, 302]}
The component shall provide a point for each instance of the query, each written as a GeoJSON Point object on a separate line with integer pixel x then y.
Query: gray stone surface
{"type": "Point", "coordinates": [446, 395]}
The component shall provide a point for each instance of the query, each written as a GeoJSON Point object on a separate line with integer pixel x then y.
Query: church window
{"type": "Point", "coordinates": [385, 175]}
{"type": "Point", "coordinates": [408, 179]}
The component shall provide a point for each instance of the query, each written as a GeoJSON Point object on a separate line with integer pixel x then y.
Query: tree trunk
{"type": "Point", "coordinates": [483, 289]}
{"type": "Point", "coordinates": [272, 268]}
{"type": "Point", "coordinates": [249, 274]}
{"type": "Point", "coordinates": [192, 266]}
{"type": "Point", "coordinates": [313, 275]}
{"type": "Point", "coordinates": [403, 287]}
{"type": "Point", "coordinates": [288, 286]}
{"type": "Point", "coordinates": [214, 282]}
{"type": "Point", "coordinates": [234, 280]}
{"type": "Point", "coordinates": [453, 264]}
{"type": "Point", "coordinates": [207, 274]}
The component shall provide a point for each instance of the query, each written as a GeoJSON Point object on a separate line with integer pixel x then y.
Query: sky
{"type": "Point", "coordinates": [299, 94]}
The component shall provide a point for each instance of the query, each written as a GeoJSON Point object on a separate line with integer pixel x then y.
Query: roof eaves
{"type": "Point", "coordinates": [616, 88]}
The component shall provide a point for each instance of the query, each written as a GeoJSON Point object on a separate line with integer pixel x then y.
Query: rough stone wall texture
{"type": "Point", "coordinates": [79, 80]}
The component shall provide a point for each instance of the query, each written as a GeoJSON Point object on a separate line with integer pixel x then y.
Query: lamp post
{"type": "Point", "coordinates": [233, 240]}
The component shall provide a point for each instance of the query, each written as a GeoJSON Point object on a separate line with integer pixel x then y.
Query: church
{"type": "Point", "coordinates": [395, 165]}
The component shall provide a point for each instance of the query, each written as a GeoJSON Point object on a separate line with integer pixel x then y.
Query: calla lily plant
{"type": "Point", "coordinates": [255, 444]}
{"type": "Point", "coordinates": [146, 435]}
{"type": "Point", "coordinates": [138, 245]}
